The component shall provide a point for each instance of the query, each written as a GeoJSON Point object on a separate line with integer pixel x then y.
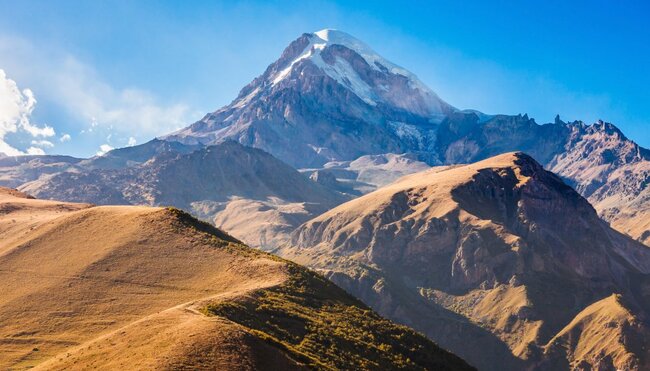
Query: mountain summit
{"type": "Point", "coordinates": [328, 97]}
{"type": "Point", "coordinates": [371, 78]}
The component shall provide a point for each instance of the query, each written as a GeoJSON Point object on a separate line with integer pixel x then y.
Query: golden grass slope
{"type": "Point", "coordinates": [122, 287]}
{"type": "Point", "coordinates": [603, 334]}
{"type": "Point", "coordinates": [82, 274]}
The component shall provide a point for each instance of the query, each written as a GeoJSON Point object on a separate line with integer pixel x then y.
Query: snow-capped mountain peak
{"type": "Point", "coordinates": [375, 81]}
{"type": "Point", "coordinates": [329, 96]}
{"type": "Point", "coordinates": [377, 62]}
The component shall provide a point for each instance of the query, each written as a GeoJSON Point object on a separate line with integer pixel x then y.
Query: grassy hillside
{"type": "Point", "coordinates": [319, 324]}
{"type": "Point", "coordinates": [153, 288]}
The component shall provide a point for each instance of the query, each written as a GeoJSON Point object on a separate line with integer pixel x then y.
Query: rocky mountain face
{"type": "Point", "coordinates": [598, 160]}
{"type": "Point", "coordinates": [499, 261]}
{"type": "Point", "coordinates": [330, 100]}
{"type": "Point", "coordinates": [612, 172]}
{"type": "Point", "coordinates": [329, 97]}
{"type": "Point", "coordinates": [250, 193]}
{"type": "Point", "coordinates": [18, 170]}
{"type": "Point", "coordinates": [603, 165]}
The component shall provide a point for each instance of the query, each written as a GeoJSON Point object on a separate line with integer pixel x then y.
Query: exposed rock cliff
{"type": "Point", "coordinates": [497, 257]}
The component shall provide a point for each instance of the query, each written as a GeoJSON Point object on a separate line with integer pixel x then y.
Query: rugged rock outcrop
{"type": "Point", "coordinates": [495, 260]}
{"type": "Point", "coordinates": [612, 172]}
{"type": "Point", "coordinates": [368, 172]}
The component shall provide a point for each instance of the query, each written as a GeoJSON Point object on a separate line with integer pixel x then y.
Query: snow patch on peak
{"type": "Point", "coordinates": [425, 101]}
{"type": "Point", "coordinates": [345, 75]}
{"type": "Point", "coordinates": [309, 50]}
{"type": "Point", "coordinates": [325, 33]}
{"type": "Point", "coordinates": [331, 37]}
{"type": "Point", "coordinates": [335, 37]}
{"type": "Point", "coordinates": [341, 70]}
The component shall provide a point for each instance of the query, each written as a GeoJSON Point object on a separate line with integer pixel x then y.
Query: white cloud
{"type": "Point", "coordinates": [35, 151]}
{"type": "Point", "coordinates": [103, 149]}
{"type": "Point", "coordinates": [42, 143]}
{"type": "Point", "coordinates": [131, 142]}
{"type": "Point", "coordinates": [9, 150]}
{"type": "Point", "coordinates": [16, 107]}
{"type": "Point", "coordinates": [65, 138]}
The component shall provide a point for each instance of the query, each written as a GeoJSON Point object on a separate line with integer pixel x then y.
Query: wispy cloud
{"type": "Point", "coordinates": [129, 110]}
{"type": "Point", "coordinates": [97, 107]}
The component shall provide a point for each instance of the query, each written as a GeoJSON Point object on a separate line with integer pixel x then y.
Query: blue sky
{"type": "Point", "coordinates": [115, 73]}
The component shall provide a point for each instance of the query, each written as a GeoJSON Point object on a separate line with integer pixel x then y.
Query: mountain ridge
{"type": "Point", "coordinates": [501, 246]}
{"type": "Point", "coordinates": [288, 104]}
{"type": "Point", "coordinates": [213, 182]}
{"type": "Point", "coordinates": [302, 103]}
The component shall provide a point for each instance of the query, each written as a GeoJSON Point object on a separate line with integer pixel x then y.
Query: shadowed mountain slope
{"type": "Point", "coordinates": [612, 172]}
{"type": "Point", "coordinates": [246, 191]}
{"type": "Point", "coordinates": [322, 100]}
